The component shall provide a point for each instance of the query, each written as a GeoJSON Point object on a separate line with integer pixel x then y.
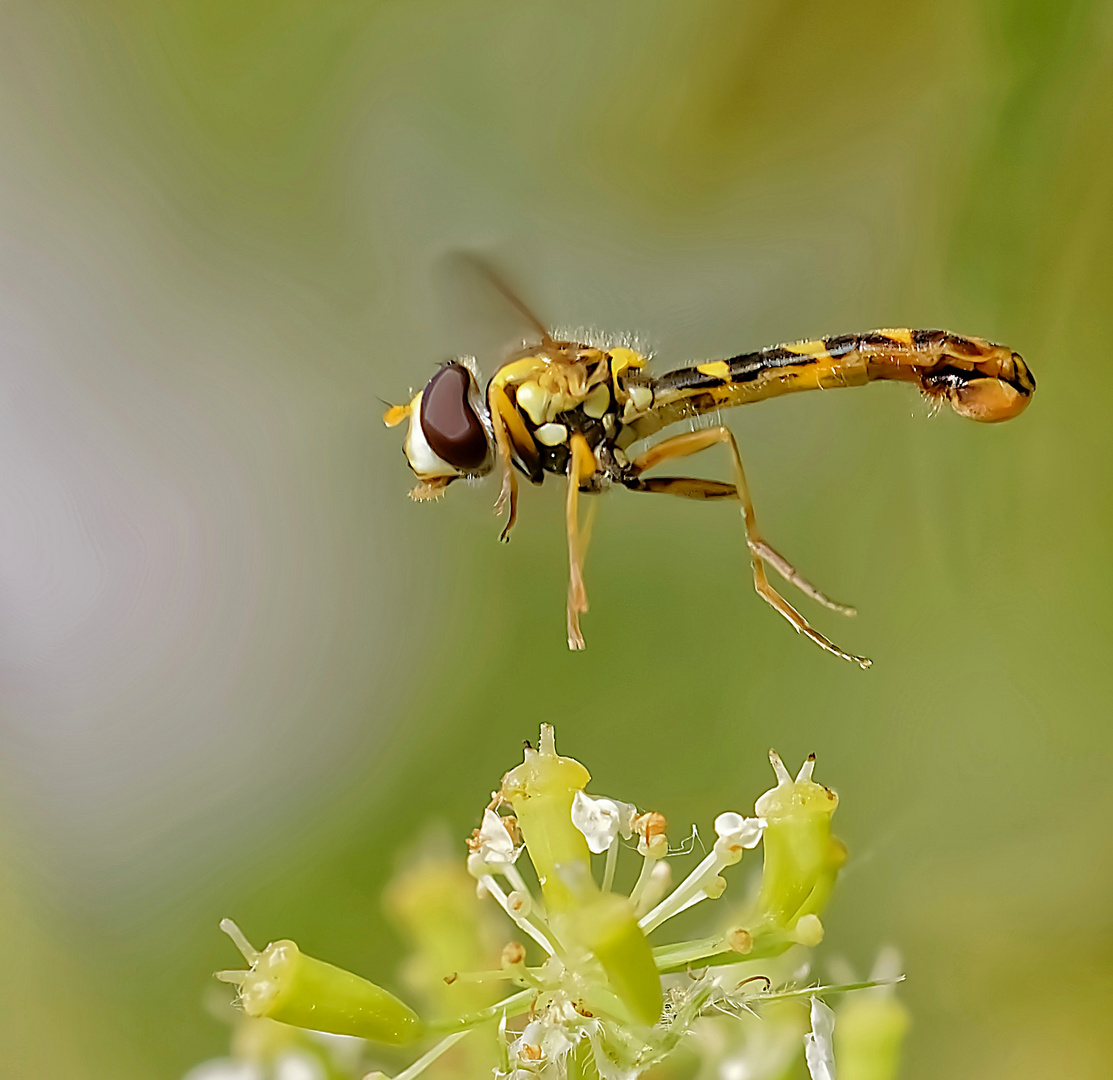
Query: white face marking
{"type": "Point", "coordinates": [426, 464]}
{"type": "Point", "coordinates": [551, 434]}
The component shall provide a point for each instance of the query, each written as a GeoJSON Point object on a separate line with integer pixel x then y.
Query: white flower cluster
{"type": "Point", "coordinates": [574, 1009]}
{"type": "Point", "coordinates": [590, 993]}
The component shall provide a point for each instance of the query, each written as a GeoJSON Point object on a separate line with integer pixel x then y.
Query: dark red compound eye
{"type": "Point", "coordinates": [452, 429]}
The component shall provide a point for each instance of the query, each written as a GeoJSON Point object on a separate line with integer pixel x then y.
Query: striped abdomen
{"type": "Point", "coordinates": [977, 378]}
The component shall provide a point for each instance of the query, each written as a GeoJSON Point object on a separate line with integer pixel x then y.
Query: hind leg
{"type": "Point", "coordinates": [761, 552]}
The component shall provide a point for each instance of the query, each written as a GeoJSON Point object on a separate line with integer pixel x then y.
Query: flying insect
{"type": "Point", "coordinates": [588, 412]}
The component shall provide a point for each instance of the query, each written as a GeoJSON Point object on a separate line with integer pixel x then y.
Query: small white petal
{"type": "Point", "coordinates": [598, 819]}
{"type": "Point", "coordinates": [819, 1049]}
{"type": "Point", "coordinates": [531, 1036]}
{"type": "Point", "coordinates": [555, 1043]}
{"type": "Point", "coordinates": [563, 1010]}
{"type": "Point", "coordinates": [736, 830]}
{"type": "Point", "coordinates": [496, 845]}
{"type": "Point", "coordinates": [627, 814]}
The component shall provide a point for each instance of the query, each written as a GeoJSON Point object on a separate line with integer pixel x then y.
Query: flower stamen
{"type": "Point", "coordinates": [521, 921]}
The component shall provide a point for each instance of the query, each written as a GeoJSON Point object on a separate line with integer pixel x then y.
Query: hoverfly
{"type": "Point", "coordinates": [576, 409]}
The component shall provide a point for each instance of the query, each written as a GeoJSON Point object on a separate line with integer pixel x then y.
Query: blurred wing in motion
{"type": "Point", "coordinates": [483, 314]}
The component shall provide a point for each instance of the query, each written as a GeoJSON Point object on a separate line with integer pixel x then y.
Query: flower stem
{"type": "Point", "coordinates": [523, 923]}
{"type": "Point", "coordinates": [469, 1020]}
{"type": "Point", "coordinates": [427, 1059]}
{"type": "Point", "coordinates": [677, 956]}
{"type": "Point", "coordinates": [609, 866]}
{"type": "Point", "coordinates": [678, 899]}
{"type": "Point", "coordinates": [648, 862]}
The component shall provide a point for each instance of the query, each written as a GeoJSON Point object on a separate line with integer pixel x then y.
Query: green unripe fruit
{"type": "Point", "coordinates": [284, 984]}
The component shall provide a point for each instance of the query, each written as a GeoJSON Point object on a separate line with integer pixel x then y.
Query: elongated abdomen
{"type": "Point", "coordinates": [977, 378]}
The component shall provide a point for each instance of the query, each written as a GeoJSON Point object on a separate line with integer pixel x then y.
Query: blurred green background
{"type": "Point", "coordinates": [239, 668]}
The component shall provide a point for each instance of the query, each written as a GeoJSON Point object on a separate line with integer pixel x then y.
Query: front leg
{"type": "Point", "coordinates": [513, 442]}
{"type": "Point", "coordinates": [502, 415]}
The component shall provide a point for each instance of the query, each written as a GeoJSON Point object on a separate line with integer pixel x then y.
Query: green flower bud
{"type": "Point", "coordinates": [541, 791]}
{"type": "Point", "coordinates": [868, 1036]}
{"type": "Point", "coordinates": [284, 984]}
{"type": "Point", "coordinates": [802, 859]}
{"type": "Point", "coordinates": [871, 1025]}
{"type": "Point", "coordinates": [607, 927]}
{"type": "Point", "coordinates": [432, 900]}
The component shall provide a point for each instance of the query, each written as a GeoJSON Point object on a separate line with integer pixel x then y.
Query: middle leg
{"type": "Point", "coordinates": [581, 466]}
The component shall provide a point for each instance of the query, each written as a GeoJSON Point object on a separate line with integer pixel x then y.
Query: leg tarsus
{"type": "Point", "coordinates": [793, 576]}
{"type": "Point", "coordinates": [575, 638]}
{"type": "Point", "coordinates": [797, 621]}
{"type": "Point", "coordinates": [508, 496]}
{"type": "Point", "coordinates": [508, 493]}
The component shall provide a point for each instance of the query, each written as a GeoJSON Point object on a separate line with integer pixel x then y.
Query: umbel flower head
{"type": "Point", "coordinates": [589, 988]}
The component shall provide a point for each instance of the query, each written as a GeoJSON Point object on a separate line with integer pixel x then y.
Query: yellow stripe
{"type": "Point", "coordinates": [623, 358]}
{"type": "Point", "coordinates": [808, 348]}
{"type": "Point", "coordinates": [901, 335]}
{"type": "Point", "coordinates": [716, 369]}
